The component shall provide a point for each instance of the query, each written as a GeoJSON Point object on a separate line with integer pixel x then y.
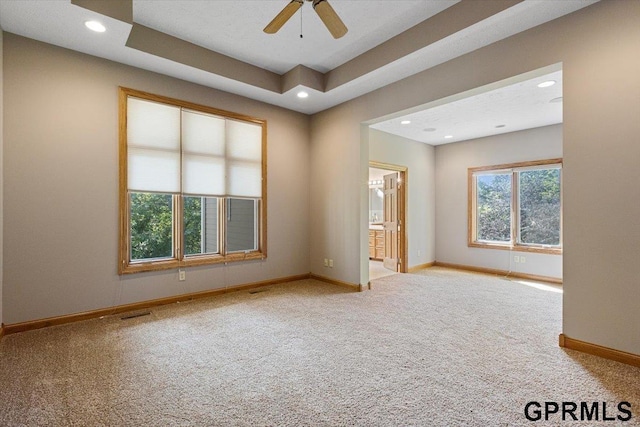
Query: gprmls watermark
{"type": "Point", "coordinates": [578, 411]}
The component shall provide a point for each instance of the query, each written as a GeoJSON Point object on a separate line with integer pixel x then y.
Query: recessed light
{"type": "Point", "coordinates": [547, 83]}
{"type": "Point", "coordinates": [500, 126]}
{"type": "Point", "coordinates": [558, 99]}
{"type": "Point", "coordinates": [95, 26]}
{"type": "Point", "coordinates": [405, 122]}
{"type": "Point", "coordinates": [429, 129]}
{"type": "Point", "coordinates": [303, 94]}
{"type": "Point", "coordinates": [448, 136]}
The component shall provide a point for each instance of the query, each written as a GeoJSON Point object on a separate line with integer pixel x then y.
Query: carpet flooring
{"type": "Point", "coordinates": [438, 348]}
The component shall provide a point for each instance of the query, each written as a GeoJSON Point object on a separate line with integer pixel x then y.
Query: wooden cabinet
{"type": "Point", "coordinates": [372, 243]}
{"type": "Point", "coordinates": [376, 244]}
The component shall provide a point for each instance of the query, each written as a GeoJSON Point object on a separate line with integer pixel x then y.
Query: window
{"type": "Point", "coordinates": [192, 184]}
{"type": "Point", "coordinates": [516, 206]}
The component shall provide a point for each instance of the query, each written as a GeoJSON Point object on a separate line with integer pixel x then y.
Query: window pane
{"type": "Point", "coordinates": [200, 225]}
{"type": "Point", "coordinates": [244, 179]}
{"type": "Point", "coordinates": [153, 170]}
{"type": "Point", "coordinates": [151, 219]}
{"type": "Point", "coordinates": [153, 125]}
{"type": "Point", "coordinates": [539, 207]}
{"type": "Point", "coordinates": [153, 140]}
{"type": "Point", "coordinates": [244, 141]}
{"type": "Point", "coordinates": [244, 159]}
{"type": "Point", "coordinates": [203, 144]}
{"type": "Point", "coordinates": [242, 225]}
{"type": "Point", "coordinates": [493, 207]}
{"type": "Point", "coordinates": [203, 134]}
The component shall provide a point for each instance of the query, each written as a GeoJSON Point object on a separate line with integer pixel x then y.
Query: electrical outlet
{"type": "Point", "coordinates": [326, 262]}
{"type": "Point", "coordinates": [182, 275]}
{"type": "Point", "coordinates": [516, 258]}
{"type": "Point", "coordinates": [418, 252]}
{"type": "Point", "coordinates": [330, 263]}
{"type": "Point", "coordinates": [523, 259]}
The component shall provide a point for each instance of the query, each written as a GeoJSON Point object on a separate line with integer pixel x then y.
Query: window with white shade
{"type": "Point", "coordinates": [192, 185]}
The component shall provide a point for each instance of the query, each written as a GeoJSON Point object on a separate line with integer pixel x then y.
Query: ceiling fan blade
{"type": "Point", "coordinates": [330, 18]}
{"type": "Point", "coordinates": [283, 16]}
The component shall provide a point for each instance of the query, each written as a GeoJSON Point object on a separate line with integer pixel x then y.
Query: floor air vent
{"type": "Point", "coordinates": [134, 315]}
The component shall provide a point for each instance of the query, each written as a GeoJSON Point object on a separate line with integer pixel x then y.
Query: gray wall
{"type": "Point", "coordinates": [452, 162]}
{"type": "Point", "coordinates": [61, 185]}
{"type": "Point", "coordinates": [598, 47]}
{"type": "Point", "coordinates": [419, 159]}
{"type": "Point", "coordinates": [1, 169]}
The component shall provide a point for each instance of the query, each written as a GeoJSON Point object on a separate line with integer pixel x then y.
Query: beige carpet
{"type": "Point", "coordinates": [441, 348]}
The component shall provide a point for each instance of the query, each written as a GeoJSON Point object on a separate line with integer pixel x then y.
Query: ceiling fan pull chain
{"type": "Point", "coordinates": [300, 22]}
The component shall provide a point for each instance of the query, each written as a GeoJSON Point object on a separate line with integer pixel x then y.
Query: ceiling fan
{"type": "Point", "coordinates": [322, 7]}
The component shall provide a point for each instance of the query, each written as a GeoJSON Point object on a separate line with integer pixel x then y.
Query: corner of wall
{"type": "Point", "coordinates": [1, 172]}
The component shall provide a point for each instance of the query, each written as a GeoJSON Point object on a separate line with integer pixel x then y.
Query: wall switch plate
{"type": "Point", "coordinates": [182, 275]}
{"type": "Point", "coordinates": [523, 259]}
{"type": "Point", "coordinates": [516, 258]}
{"type": "Point", "coordinates": [330, 263]}
{"type": "Point", "coordinates": [418, 252]}
{"type": "Point", "coordinates": [326, 262]}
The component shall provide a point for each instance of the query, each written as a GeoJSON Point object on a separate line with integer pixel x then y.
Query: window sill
{"type": "Point", "coordinates": [194, 261]}
{"type": "Point", "coordinates": [517, 248]}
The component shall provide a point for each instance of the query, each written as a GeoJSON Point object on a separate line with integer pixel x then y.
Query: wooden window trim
{"type": "Point", "coordinates": [125, 266]}
{"type": "Point", "coordinates": [513, 245]}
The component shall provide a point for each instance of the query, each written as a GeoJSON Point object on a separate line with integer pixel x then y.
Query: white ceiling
{"type": "Point", "coordinates": [234, 28]}
{"type": "Point", "coordinates": [509, 108]}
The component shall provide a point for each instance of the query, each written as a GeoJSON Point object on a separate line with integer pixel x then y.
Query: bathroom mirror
{"type": "Point", "coordinates": [375, 205]}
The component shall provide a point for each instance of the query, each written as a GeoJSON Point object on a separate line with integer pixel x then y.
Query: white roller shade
{"type": "Point", "coordinates": [203, 145]}
{"type": "Point", "coordinates": [203, 175]}
{"type": "Point", "coordinates": [244, 141]}
{"type": "Point", "coordinates": [203, 134]}
{"type": "Point", "coordinates": [244, 179]}
{"type": "Point", "coordinates": [244, 159]}
{"type": "Point", "coordinates": [153, 125]}
{"type": "Point", "coordinates": [153, 139]}
{"type": "Point", "coordinates": [153, 170]}
{"type": "Point", "coordinates": [176, 150]}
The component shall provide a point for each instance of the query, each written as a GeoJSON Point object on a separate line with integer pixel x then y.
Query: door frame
{"type": "Point", "coordinates": [403, 193]}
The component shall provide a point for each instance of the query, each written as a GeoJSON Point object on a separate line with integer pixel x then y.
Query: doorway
{"type": "Point", "coordinates": [387, 219]}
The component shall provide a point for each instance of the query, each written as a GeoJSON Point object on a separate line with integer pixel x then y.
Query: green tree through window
{"type": "Point", "coordinates": [540, 206]}
{"type": "Point", "coordinates": [151, 225]}
{"type": "Point", "coordinates": [494, 208]}
{"type": "Point", "coordinates": [192, 225]}
{"type": "Point", "coordinates": [517, 206]}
